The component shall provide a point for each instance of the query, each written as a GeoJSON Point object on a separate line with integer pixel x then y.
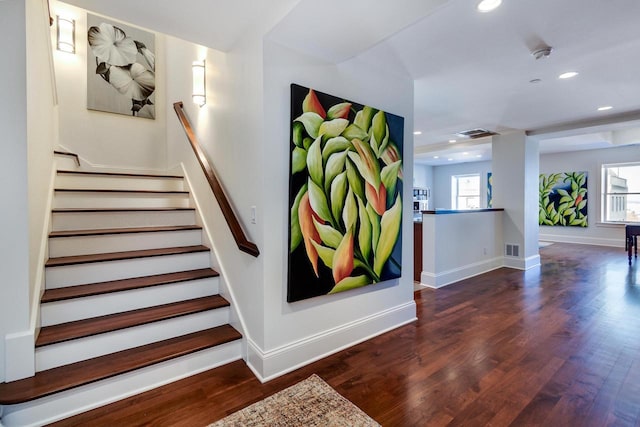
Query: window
{"type": "Point", "coordinates": [621, 192]}
{"type": "Point", "coordinates": [465, 191]}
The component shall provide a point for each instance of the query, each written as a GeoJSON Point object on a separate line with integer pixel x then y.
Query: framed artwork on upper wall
{"type": "Point", "coordinates": [563, 199]}
{"type": "Point", "coordinates": [345, 195]}
{"type": "Point", "coordinates": [120, 68]}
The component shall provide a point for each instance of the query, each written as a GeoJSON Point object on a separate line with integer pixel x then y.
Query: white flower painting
{"type": "Point", "coordinates": [120, 68]}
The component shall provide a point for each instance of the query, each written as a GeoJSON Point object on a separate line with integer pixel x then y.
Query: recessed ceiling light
{"type": "Point", "coordinates": [451, 141]}
{"type": "Point", "coordinates": [436, 157]}
{"type": "Point", "coordinates": [605, 108]}
{"type": "Point", "coordinates": [479, 155]}
{"type": "Point", "coordinates": [417, 132]}
{"type": "Point", "coordinates": [465, 153]}
{"type": "Point", "coordinates": [488, 5]}
{"type": "Point", "coordinates": [567, 75]}
{"type": "Point", "coordinates": [450, 159]}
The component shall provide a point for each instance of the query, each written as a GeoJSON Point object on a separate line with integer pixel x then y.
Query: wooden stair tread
{"type": "Point", "coordinates": [119, 174]}
{"type": "Point", "coordinates": [108, 190]}
{"type": "Point", "coordinates": [85, 372]}
{"type": "Point", "coordinates": [116, 256]}
{"type": "Point", "coordinates": [90, 210]}
{"type": "Point", "coordinates": [103, 231]}
{"type": "Point", "coordinates": [113, 322]}
{"type": "Point", "coordinates": [71, 292]}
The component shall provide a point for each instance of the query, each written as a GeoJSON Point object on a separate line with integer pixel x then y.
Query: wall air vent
{"type": "Point", "coordinates": [512, 250]}
{"type": "Point", "coordinates": [476, 133]}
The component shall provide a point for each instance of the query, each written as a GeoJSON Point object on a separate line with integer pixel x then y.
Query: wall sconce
{"type": "Point", "coordinates": [66, 34]}
{"type": "Point", "coordinates": [199, 83]}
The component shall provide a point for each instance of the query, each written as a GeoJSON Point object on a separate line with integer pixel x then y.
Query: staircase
{"type": "Point", "coordinates": [131, 300]}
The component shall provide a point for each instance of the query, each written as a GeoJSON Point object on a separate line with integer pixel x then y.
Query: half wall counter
{"type": "Point", "coordinates": [457, 244]}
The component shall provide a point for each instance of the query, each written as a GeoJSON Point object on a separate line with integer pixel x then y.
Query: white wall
{"type": "Point", "coordinates": [14, 244]}
{"type": "Point", "coordinates": [477, 248]}
{"type": "Point", "coordinates": [27, 116]}
{"type": "Point", "coordinates": [590, 161]}
{"type": "Point", "coordinates": [423, 176]}
{"type": "Point", "coordinates": [226, 131]}
{"type": "Point", "coordinates": [296, 333]}
{"type": "Point", "coordinates": [515, 164]}
{"type": "Point", "coordinates": [441, 191]}
{"type": "Point", "coordinates": [42, 138]}
{"type": "Point", "coordinates": [106, 139]}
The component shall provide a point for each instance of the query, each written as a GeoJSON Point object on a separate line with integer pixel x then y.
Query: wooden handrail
{"type": "Point", "coordinates": [232, 221]}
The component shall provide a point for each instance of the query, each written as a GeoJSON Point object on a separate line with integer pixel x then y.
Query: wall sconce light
{"type": "Point", "coordinates": [66, 34]}
{"type": "Point", "coordinates": [199, 84]}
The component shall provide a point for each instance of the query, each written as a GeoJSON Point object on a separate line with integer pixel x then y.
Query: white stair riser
{"type": "Point", "coordinates": [101, 220]}
{"type": "Point", "coordinates": [53, 313]}
{"type": "Point", "coordinates": [108, 182]}
{"type": "Point", "coordinates": [64, 199]}
{"type": "Point", "coordinates": [80, 274]}
{"type": "Point", "coordinates": [72, 402]}
{"type": "Point", "coordinates": [65, 163]}
{"type": "Point", "coordinates": [64, 353]}
{"type": "Point", "coordinates": [85, 245]}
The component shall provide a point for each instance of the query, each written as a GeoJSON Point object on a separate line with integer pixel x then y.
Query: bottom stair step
{"type": "Point", "coordinates": [78, 374]}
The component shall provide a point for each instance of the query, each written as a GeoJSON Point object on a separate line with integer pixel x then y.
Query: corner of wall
{"type": "Point", "coordinates": [268, 365]}
{"type": "Point", "coordinates": [20, 357]}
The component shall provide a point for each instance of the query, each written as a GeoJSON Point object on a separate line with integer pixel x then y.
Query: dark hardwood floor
{"type": "Point", "coordinates": [553, 346]}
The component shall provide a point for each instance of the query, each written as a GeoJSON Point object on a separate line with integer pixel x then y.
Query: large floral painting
{"type": "Point", "coordinates": [120, 68]}
{"type": "Point", "coordinates": [345, 195]}
{"type": "Point", "coordinates": [563, 199]}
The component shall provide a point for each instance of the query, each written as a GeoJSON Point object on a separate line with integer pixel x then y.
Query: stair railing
{"type": "Point", "coordinates": [229, 215]}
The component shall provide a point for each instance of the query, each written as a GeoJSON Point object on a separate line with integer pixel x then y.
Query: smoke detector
{"type": "Point", "coordinates": [542, 52]}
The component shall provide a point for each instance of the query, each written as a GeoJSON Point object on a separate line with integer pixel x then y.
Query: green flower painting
{"type": "Point", "coordinates": [345, 195]}
{"type": "Point", "coordinates": [563, 199]}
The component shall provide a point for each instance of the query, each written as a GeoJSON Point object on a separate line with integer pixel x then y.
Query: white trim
{"type": "Point", "coordinates": [522, 263]}
{"type": "Point", "coordinates": [438, 280]}
{"type": "Point", "coordinates": [610, 224]}
{"type": "Point", "coordinates": [270, 364]}
{"type": "Point", "coordinates": [580, 240]}
{"type": "Point", "coordinates": [223, 282]}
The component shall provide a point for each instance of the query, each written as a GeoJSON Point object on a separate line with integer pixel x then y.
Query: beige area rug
{"type": "Point", "coordinates": [311, 402]}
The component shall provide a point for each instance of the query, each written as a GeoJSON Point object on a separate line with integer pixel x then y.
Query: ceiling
{"type": "Point", "coordinates": [470, 69]}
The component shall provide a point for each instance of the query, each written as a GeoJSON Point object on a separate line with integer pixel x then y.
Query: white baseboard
{"type": "Point", "coordinates": [581, 240]}
{"type": "Point", "coordinates": [438, 280]}
{"type": "Point", "coordinates": [522, 263]}
{"type": "Point", "coordinates": [267, 365]}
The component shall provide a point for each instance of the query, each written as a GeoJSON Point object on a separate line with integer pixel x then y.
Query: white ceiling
{"type": "Point", "coordinates": [470, 69]}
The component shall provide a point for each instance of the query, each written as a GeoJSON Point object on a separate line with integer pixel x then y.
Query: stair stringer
{"type": "Point", "coordinates": [236, 317]}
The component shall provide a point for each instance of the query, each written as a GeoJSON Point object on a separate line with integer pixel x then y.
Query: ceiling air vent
{"type": "Point", "coordinates": [476, 133]}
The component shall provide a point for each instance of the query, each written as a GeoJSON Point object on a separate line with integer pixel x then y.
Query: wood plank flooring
{"type": "Point", "coordinates": [553, 346]}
